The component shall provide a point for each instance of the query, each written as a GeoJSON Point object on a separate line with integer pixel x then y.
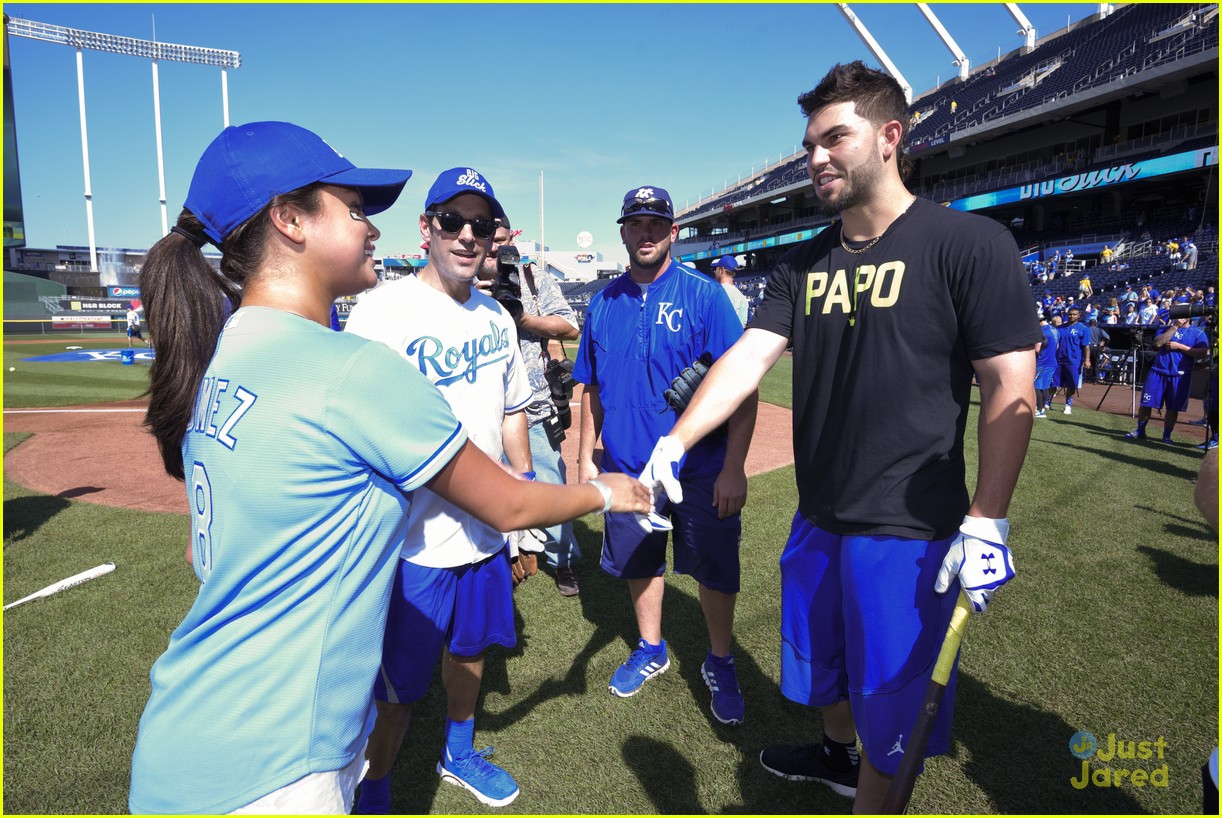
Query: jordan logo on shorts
{"type": "Point", "coordinates": [898, 747]}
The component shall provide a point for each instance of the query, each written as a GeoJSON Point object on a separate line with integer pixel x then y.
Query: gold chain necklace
{"type": "Point", "coordinates": [869, 244]}
{"type": "Point", "coordinates": [872, 241]}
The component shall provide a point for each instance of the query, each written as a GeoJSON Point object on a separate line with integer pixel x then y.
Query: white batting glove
{"type": "Point", "coordinates": [979, 558]}
{"type": "Point", "coordinates": [661, 477]}
{"type": "Point", "coordinates": [526, 541]}
{"type": "Point", "coordinates": [662, 470]}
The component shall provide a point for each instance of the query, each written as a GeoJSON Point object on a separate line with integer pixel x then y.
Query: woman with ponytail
{"type": "Point", "coordinates": [299, 448]}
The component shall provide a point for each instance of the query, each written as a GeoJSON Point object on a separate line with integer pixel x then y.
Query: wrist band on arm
{"type": "Point", "coordinates": [605, 492]}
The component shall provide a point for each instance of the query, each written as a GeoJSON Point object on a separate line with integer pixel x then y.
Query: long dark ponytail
{"type": "Point", "coordinates": [186, 304]}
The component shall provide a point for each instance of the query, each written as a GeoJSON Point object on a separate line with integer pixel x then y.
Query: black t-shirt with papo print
{"type": "Point", "coordinates": [882, 368]}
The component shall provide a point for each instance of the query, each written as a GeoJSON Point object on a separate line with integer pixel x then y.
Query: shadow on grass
{"type": "Point", "coordinates": [1019, 757]}
{"type": "Point", "coordinates": [1147, 463]}
{"type": "Point", "coordinates": [23, 516]}
{"type": "Point", "coordinates": [1184, 575]}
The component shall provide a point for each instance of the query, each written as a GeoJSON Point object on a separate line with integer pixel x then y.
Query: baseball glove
{"type": "Point", "coordinates": [684, 387]}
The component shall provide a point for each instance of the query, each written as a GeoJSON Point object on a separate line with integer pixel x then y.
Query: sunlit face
{"type": "Point", "coordinates": [457, 256]}
{"type": "Point", "coordinates": [341, 240]}
{"type": "Point", "coordinates": [843, 158]}
{"type": "Point", "coordinates": [647, 240]}
{"type": "Point", "coordinates": [499, 239]}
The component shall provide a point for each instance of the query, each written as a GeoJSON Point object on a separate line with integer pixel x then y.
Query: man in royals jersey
{"type": "Point", "coordinates": [1178, 346]}
{"type": "Point", "coordinates": [640, 333]}
{"type": "Point", "coordinates": [1045, 366]}
{"type": "Point", "coordinates": [1073, 350]}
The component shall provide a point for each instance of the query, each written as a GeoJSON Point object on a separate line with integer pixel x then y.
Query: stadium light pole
{"type": "Point", "coordinates": [947, 40]}
{"type": "Point", "coordinates": [146, 49]}
{"type": "Point", "coordinates": [876, 49]}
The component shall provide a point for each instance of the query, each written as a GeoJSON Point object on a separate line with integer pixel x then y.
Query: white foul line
{"type": "Point", "coordinates": [64, 411]}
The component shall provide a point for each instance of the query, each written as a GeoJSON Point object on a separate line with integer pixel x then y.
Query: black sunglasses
{"type": "Point", "coordinates": [481, 228]}
{"type": "Point", "coordinates": [660, 206]}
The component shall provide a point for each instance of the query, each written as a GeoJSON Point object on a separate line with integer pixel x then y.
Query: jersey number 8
{"type": "Point", "coordinates": [201, 521]}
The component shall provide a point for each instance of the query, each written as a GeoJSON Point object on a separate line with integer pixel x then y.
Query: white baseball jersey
{"type": "Point", "coordinates": [470, 351]}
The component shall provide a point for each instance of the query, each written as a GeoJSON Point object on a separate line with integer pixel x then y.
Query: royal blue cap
{"type": "Point", "coordinates": [249, 165]}
{"type": "Point", "coordinates": [646, 201]}
{"type": "Point", "coordinates": [726, 263]}
{"type": "Point", "coordinates": [456, 182]}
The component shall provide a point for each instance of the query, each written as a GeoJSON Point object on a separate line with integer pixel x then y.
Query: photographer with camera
{"type": "Point", "coordinates": [1167, 384]}
{"type": "Point", "coordinates": [534, 301]}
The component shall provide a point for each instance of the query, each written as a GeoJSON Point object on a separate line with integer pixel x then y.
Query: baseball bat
{"type": "Point", "coordinates": [896, 800]}
{"type": "Point", "coordinates": [75, 579]}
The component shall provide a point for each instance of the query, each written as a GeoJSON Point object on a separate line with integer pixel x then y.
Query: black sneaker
{"type": "Point", "coordinates": [808, 762]}
{"type": "Point", "coordinates": [566, 581]}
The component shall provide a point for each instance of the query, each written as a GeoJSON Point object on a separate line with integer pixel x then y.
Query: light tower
{"type": "Point", "coordinates": [146, 49]}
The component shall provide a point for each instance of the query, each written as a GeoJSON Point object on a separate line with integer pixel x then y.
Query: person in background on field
{"type": "Point", "coordinates": [723, 270]}
{"type": "Point", "coordinates": [1178, 347]}
{"type": "Point", "coordinates": [1073, 353]}
{"type": "Point", "coordinates": [878, 433]}
{"type": "Point", "coordinates": [1045, 365]}
{"type": "Point", "coordinates": [133, 327]}
{"type": "Point", "coordinates": [542, 315]}
{"type": "Point", "coordinates": [301, 449]}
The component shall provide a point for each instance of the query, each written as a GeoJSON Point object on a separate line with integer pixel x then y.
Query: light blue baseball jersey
{"type": "Point", "coordinates": [302, 445]}
{"type": "Point", "coordinates": [632, 347]}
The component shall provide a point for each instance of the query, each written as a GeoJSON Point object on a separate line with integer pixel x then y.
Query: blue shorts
{"type": "Point", "coordinates": [465, 609]}
{"type": "Point", "coordinates": [706, 547]}
{"type": "Point", "coordinates": [1170, 391]}
{"type": "Point", "coordinates": [860, 621]}
{"type": "Point", "coordinates": [1044, 376]}
{"type": "Point", "coordinates": [1069, 375]}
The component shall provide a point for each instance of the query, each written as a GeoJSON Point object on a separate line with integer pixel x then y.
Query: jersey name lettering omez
{"type": "Point", "coordinates": [212, 391]}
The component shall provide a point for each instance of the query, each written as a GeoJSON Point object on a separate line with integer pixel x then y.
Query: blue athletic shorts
{"type": "Point", "coordinates": [465, 609]}
{"type": "Point", "coordinates": [1170, 391]}
{"type": "Point", "coordinates": [706, 548]}
{"type": "Point", "coordinates": [860, 621]}
{"type": "Point", "coordinates": [1044, 377]}
{"type": "Point", "coordinates": [1069, 375]}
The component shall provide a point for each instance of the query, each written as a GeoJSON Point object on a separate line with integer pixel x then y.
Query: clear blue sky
{"type": "Point", "coordinates": [598, 97]}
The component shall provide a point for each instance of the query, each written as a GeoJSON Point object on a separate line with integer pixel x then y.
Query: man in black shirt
{"type": "Point", "coordinates": [890, 311]}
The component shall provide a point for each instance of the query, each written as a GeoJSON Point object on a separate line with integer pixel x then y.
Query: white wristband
{"type": "Point", "coordinates": [605, 492]}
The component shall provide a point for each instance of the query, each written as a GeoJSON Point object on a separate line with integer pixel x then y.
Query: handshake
{"type": "Point", "coordinates": [661, 477]}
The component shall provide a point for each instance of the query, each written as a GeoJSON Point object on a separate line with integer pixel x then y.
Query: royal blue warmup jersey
{"type": "Point", "coordinates": [1177, 362]}
{"type": "Point", "coordinates": [302, 446]}
{"type": "Point", "coordinates": [1073, 341]}
{"type": "Point", "coordinates": [1048, 352]}
{"type": "Point", "coordinates": [634, 345]}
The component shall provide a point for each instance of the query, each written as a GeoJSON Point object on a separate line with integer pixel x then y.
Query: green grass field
{"type": "Point", "coordinates": [1111, 626]}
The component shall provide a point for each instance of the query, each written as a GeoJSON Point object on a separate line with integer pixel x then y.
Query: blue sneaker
{"type": "Point", "coordinates": [722, 679]}
{"type": "Point", "coordinates": [1135, 435]}
{"type": "Point", "coordinates": [642, 665]}
{"type": "Point", "coordinates": [483, 779]}
{"type": "Point", "coordinates": [1212, 443]}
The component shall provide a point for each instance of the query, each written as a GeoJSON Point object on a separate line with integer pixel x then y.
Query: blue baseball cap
{"type": "Point", "coordinates": [726, 263]}
{"type": "Point", "coordinates": [249, 165]}
{"type": "Point", "coordinates": [646, 201]}
{"type": "Point", "coordinates": [456, 182]}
